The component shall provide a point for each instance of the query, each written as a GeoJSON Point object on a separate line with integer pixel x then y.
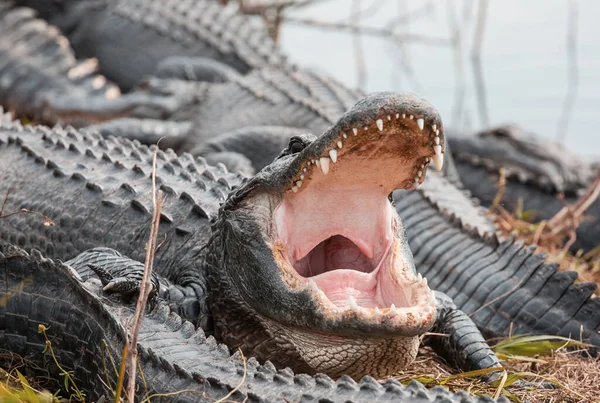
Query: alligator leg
{"type": "Point", "coordinates": [464, 346]}
{"type": "Point", "coordinates": [123, 275]}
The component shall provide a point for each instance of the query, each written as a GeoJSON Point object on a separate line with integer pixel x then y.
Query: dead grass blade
{"type": "Point", "coordinates": [530, 346]}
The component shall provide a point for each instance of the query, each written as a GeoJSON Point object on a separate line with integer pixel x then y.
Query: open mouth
{"type": "Point", "coordinates": [338, 236]}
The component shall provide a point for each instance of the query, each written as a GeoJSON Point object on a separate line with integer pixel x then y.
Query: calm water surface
{"type": "Point", "coordinates": [524, 60]}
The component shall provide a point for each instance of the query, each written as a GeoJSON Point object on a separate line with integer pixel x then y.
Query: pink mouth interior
{"type": "Point", "coordinates": [340, 233]}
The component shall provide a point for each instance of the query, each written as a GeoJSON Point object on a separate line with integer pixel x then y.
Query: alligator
{"type": "Point", "coordinates": [180, 99]}
{"type": "Point", "coordinates": [536, 170]}
{"type": "Point", "coordinates": [37, 65]}
{"type": "Point", "coordinates": [100, 186]}
{"type": "Point", "coordinates": [129, 38]}
{"type": "Point", "coordinates": [498, 283]}
{"type": "Point", "coordinates": [373, 318]}
{"type": "Point", "coordinates": [179, 362]}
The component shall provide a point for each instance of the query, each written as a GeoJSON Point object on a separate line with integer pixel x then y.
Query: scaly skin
{"type": "Point", "coordinates": [537, 170]}
{"type": "Point", "coordinates": [172, 355]}
{"type": "Point", "coordinates": [150, 31]}
{"type": "Point", "coordinates": [426, 221]}
{"type": "Point", "coordinates": [37, 66]}
{"type": "Point", "coordinates": [107, 180]}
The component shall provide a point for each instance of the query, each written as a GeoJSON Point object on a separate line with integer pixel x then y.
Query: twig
{"type": "Point", "coordinates": [457, 53]}
{"type": "Point", "coordinates": [572, 73]}
{"type": "Point", "coordinates": [501, 187]}
{"type": "Point", "coordinates": [476, 62]}
{"type": "Point", "coordinates": [47, 221]}
{"type": "Point", "coordinates": [227, 396]}
{"type": "Point", "coordinates": [145, 286]}
{"type": "Point", "coordinates": [261, 7]}
{"type": "Point", "coordinates": [361, 70]}
{"type": "Point", "coordinates": [373, 31]}
{"type": "Point", "coordinates": [501, 386]}
{"type": "Point", "coordinates": [558, 222]}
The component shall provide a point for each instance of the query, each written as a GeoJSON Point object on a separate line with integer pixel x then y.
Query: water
{"type": "Point", "coordinates": [524, 61]}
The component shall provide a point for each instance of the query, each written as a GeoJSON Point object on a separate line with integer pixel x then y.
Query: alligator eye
{"type": "Point", "coordinates": [296, 145]}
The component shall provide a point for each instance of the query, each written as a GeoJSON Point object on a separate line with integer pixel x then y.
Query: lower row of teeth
{"type": "Point", "coordinates": [390, 311]}
{"type": "Point", "coordinates": [324, 162]}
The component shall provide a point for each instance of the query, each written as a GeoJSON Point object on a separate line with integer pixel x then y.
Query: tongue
{"type": "Point", "coordinates": [338, 285]}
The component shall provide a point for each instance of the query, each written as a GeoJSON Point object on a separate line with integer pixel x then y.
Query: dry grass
{"type": "Point", "coordinates": [576, 375]}
{"type": "Point", "coordinates": [556, 235]}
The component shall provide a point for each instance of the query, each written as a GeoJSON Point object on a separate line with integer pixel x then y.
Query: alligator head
{"type": "Point", "coordinates": [309, 265]}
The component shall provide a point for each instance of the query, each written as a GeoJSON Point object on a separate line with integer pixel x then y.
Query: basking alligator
{"type": "Point", "coordinates": [100, 186]}
{"type": "Point", "coordinates": [37, 65]}
{"type": "Point", "coordinates": [318, 295]}
{"type": "Point", "coordinates": [129, 38]}
{"type": "Point", "coordinates": [176, 359]}
{"type": "Point", "coordinates": [536, 169]}
{"type": "Point", "coordinates": [498, 283]}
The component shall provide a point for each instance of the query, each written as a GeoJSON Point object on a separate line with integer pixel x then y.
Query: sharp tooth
{"type": "Point", "coordinates": [352, 303]}
{"type": "Point", "coordinates": [434, 127]}
{"type": "Point", "coordinates": [421, 123]}
{"type": "Point", "coordinates": [355, 131]}
{"type": "Point", "coordinates": [419, 173]}
{"type": "Point", "coordinates": [333, 155]}
{"type": "Point", "coordinates": [419, 277]}
{"type": "Point", "coordinates": [304, 169]}
{"type": "Point", "coordinates": [411, 116]}
{"type": "Point", "coordinates": [392, 310]}
{"type": "Point", "coordinates": [437, 140]}
{"type": "Point", "coordinates": [344, 135]}
{"type": "Point", "coordinates": [433, 294]}
{"type": "Point", "coordinates": [397, 115]}
{"type": "Point", "coordinates": [377, 312]}
{"type": "Point", "coordinates": [313, 161]}
{"type": "Point", "coordinates": [437, 132]}
{"type": "Point", "coordinates": [424, 282]}
{"type": "Point", "coordinates": [325, 165]}
{"type": "Point", "coordinates": [317, 163]}
{"type": "Point", "coordinates": [299, 184]}
{"type": "Point", "coordinates": [339, 144]}
{"type": "Point", "coordinates": [302, 177]}
{"type": "Point", "coordinates": [438, 158]}
{"type": "Point", "coordinates": [404, 116]}
{"type": "Point", "coordinates": [295, 189]}
{"type": "Point", "coordinates": [416, 182]}
{"type": "Point", "coordinates": [379, 124]}
{"type": "Point", "coordinates": [389, 117]}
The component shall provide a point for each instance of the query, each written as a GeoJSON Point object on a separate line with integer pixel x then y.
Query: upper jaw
{"type": "Point", "coordinates": [397, 129]}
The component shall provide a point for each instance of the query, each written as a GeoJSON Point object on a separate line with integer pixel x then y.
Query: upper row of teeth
{"type": "Point", "coordinates": [390, 311]}
{"type": "Point", "coordinates": [324, 162]}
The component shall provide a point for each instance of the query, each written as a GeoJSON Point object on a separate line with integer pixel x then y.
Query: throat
{"type": "Point", "coordinates": [334, 253]}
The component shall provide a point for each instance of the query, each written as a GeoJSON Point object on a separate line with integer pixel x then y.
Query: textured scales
{"type": "Point", "coordinates": [537, 171]}
{"type": "Point", "coordinates": [110, 180]}
{"type": "Point", "coordinates": [150, 31]}
{"type": "Point", "coordinates": [173, 356]}
{"type": "Point", "coordinates": [37, 66]}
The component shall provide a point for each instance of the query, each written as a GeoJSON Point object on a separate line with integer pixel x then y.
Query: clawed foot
{"type": "Point", "coordinates": [125, 280]}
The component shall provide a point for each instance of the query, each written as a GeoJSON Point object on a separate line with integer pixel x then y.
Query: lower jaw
{"type": "Point", "coordinates": [336, 355]}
